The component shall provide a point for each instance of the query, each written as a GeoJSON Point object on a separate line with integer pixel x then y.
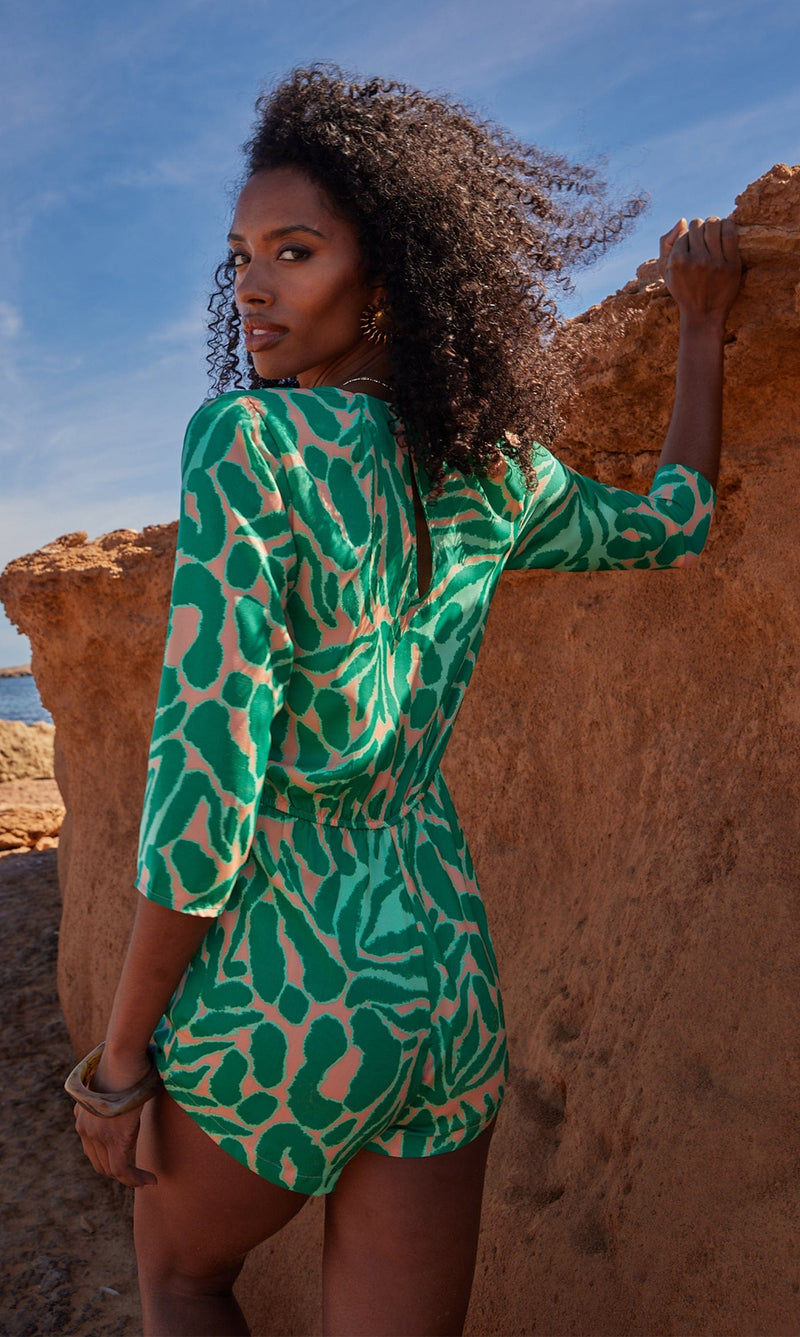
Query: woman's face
{"type": "Point", "coordinates": [299, 285]}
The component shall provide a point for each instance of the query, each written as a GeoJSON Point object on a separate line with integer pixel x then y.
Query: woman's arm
{"type": "Point", "coordinates": [702, 269]}
{"type": "Point", "coordinates": [161, 946]}
{"type": "Point", "coordinates": [226, 663]}
{"type": "Point", "coordinates": [572, 523]}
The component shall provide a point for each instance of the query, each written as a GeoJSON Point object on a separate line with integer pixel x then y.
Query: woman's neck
{"type": "Point", "coordinates": [365, 369]}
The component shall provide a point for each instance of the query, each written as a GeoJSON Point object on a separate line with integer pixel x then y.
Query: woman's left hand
{"type": "Point", "coordinates": [701, 266]}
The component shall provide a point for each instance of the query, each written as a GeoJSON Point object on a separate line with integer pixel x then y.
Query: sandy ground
{"type": "Point", "coordinates": [30, 794]}
{"type": "Point", "coordinates": [66, 1255]}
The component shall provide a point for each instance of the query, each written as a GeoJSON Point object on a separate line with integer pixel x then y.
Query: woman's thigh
{"type": "Point", "coordinates": [401, 1237]}
{"type": "Point", "coordinates": [207, 1210]}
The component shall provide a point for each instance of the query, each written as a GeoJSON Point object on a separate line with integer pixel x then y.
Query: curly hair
{"type": "Point", "coordinates": [471, 233]}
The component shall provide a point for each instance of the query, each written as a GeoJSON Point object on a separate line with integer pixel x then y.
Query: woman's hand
{"type": "Point", "coordinates": [110, 1144]}
{"type": "Point", "coordinates": [701, 266]}
{"type": "Point", "coordinates": [702, 269]}
{"type": "Point", "coordinates": [162, 944]}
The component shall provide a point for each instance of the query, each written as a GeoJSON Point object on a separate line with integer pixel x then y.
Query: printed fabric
{"type": "Point", "coordinates": [346, 995]}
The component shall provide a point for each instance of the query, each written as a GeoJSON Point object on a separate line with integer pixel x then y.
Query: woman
{"type": "Point", "coordinates": [310, 950]}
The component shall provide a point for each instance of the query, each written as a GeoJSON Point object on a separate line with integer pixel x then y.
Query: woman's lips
{"type": "Point", "coordinates": [259, 337]}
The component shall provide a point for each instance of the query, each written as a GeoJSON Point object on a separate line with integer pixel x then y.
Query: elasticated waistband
{"type": "Point", "coordinates": [280, 807]}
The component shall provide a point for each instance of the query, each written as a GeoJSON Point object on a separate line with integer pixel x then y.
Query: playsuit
{"type": "Point", "coordinates": [346, 994]}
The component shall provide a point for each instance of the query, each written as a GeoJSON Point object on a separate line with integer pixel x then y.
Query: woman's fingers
{"type": "Point", "coordinates": [110, 1145]}
{"type": "Point", "coordinates": [669, 238]}
{"type": "Point", "coordinates": [730, 241]}
{"type": "Point", "coordinates": [122, 1165]}
{"type": "Point", "coordinates": [701, 267]}
{"type": "Point", "coordinates": [704, 238]}
{"type": "Point", "coordinates": [713, 237]}
{"type": "Point", "coordinates": [698, 238]}
{"type": "Point", "coordinates": [89, 1148]}
{"type": "Point", "coordinates": [695, 246]}
{"type": "Point", "coordinates": [127, 1173]}
{"type": "Point", "coordinates": [667, 242]}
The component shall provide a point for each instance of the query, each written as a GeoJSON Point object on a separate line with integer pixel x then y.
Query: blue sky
{"type": "Point", "coordinates": [119, 148]}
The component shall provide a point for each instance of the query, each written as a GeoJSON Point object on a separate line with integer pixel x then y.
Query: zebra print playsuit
{"type": "Point", "coordinates": [346, 994]}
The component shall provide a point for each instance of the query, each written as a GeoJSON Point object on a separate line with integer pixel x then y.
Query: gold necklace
{"type": "Point", "coordinates": [372, 379]}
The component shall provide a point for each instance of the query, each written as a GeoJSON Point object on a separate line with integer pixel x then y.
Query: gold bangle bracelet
{"type": "Point", "coordinates": [108, 1104]}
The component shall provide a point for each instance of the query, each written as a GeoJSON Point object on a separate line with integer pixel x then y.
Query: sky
{"type": "Point", "coordinates": [120, 131]}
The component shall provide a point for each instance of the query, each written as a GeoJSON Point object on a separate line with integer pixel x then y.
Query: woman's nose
{"type": "Point", "coordinates": [254, 286]}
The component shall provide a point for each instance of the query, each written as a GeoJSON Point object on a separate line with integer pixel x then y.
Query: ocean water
{"type": "Point", "coordinates": [19, 700]}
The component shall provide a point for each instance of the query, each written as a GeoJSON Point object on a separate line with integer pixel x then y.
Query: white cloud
{"type": "Point", "coordinates": [462, 43]}
{"type": "Point", "coordinates": [189, 329]}
{"type": "Point", "coordinates": [105, 453]}
{"type": "Point", "coordinates": [210, 156]}
{"type": "Point", "coordinates": [10, 322]}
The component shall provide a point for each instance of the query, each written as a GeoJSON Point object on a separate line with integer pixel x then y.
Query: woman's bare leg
{"type": "Point", "coordinates": [400, 1243]}
{"type": "Point", "coordinates": [195, 1227]}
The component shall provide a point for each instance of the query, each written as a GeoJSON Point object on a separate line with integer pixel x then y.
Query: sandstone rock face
{"type": "Point", "coordinates": [626, 769]}
{"type": "Point", "coordinates": [26, 750]}
{"type": "Point", "coordinates": [97, 616]}
{"type": "Point", "coordinates": [31, 813]}
{"type": "Point", "coordinates": [31, 808]}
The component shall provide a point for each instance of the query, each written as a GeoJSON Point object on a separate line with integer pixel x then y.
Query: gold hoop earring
{"type": "Point", "coordinates": [376, 324]}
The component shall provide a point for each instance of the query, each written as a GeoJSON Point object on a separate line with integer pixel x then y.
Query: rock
{"type": "Point", "coordinates": [30, 828]}
{"type": "Point", "coordinates": [640, 857]}
{"type": "Point", "coordinates": [625, 767]}
{"type": "Point", "coordinates": [26, 750]}
{"type": "Point", "coordinates": [31, 813]}
{"type": "Point", "coordinates": [31, 808]}
{"type": "Point", "coordinates": [97, 615]}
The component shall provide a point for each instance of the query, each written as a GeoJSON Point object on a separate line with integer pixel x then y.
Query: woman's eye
{"type": "Point", "coordinates": [238, 259]}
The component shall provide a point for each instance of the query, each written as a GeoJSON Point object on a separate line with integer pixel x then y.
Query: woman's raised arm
{"type": "Point", "coordinates": [701, 266]}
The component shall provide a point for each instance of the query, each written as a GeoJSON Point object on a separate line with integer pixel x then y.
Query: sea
{"type": "Point", "coordinates": [19, 700]}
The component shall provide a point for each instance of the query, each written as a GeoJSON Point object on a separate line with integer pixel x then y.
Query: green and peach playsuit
{"type": "Point", "coordinates": [346, 994]}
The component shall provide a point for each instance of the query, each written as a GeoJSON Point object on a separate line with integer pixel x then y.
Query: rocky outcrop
{"type": "Point", "coordinates": [26, 750]}
{"type": "Point", "coordinates": [31, 808]}
{"type": "Point", "coordinates": [96, 614]}
{"type": "Point", "coordinates": [626, 769]}
{"type": "Point", "coordinates": [31, 813]}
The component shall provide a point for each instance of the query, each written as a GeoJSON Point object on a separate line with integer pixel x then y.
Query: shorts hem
{"type": "Point", "coordinates": [305, 1185]}
{"type": "Point", "coordinates": [417, 1146]}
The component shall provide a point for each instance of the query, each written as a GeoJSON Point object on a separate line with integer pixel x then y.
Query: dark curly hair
{"type": "Point", "coordinates": [471, 234]}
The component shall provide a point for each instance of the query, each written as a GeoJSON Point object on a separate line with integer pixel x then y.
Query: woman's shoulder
{"type": "Point", "coordinates": [233, 428]}
{"type": "Point", "coordinates": [232, 408]}
{"type": "Point", "coordinates": [289, 417]}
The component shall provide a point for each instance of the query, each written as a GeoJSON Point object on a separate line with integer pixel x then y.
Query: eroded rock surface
{"type": "Point", "coordinates": [31, 808]}
{"type": "Point", "coordinates": [31, 813]}
{"type": "Point", "coordinates": [96, 614]}
{"type": "Point", "coordinates": [626, 768]}
{"type": "Point", "coordinates": [26, 750]}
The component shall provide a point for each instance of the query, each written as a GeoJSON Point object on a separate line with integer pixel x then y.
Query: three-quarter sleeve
{"type": "Point", "coordinates": [227, 660]}
{"type": "Point", "coordinates": [573, 523]}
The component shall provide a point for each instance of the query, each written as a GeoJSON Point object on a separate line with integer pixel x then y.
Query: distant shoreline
{"type": "Point", "coordinates": [18, 671]}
